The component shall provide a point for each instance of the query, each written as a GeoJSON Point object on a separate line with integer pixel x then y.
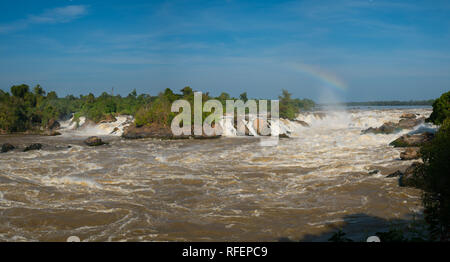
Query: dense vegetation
{"type": "Point", "coordinates": [289, 107]}
{"type": "Point", "coordinates": [31, 110]}
{"type": "Point", "coordinates": [26, 110]}
{"type": "Point", "coordinates": [441, 109]}
{"type": "Point", "coordinates": [436, 182]}
{"type": "Point", "coordinates": [436, 172]}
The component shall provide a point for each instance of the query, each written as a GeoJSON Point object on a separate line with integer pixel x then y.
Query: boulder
{"type": "Point", "coordinates": [94, 141]}
{"type": "Point", "coordinates": [53, 124]}
{"type": "Point", "coordinates": [408, 123]}
{"type": "Point", "coordinates": [33, 147]}
{"type": "Point", "coordinates": [386, 128]}
{"type": "Point", "coordinates": [415, 140]}
{"type": "Point", "coordinates": [408, 115]}
{"type": "Point", "coordinates": [410, 153]}
{"type": "Point", "coordinates": [7, 147]}
{"type": "Point", "coordinates": [116, 129]}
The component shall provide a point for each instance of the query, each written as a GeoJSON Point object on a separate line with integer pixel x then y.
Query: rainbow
{"type": "Point", "coordinates": [325, 77]}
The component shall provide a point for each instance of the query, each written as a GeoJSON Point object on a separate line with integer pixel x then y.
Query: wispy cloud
{"type": "Point", "coordinates": [51, 16]}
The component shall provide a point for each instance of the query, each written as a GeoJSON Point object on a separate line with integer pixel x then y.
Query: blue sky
{"type": "Point", "coordinates": [350, 50]}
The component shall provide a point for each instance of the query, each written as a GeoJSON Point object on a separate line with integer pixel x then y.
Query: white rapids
{"type": "Point", "coordinates": [326, 176]}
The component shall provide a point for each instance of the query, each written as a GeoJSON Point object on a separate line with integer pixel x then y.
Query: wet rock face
{"type": "Point", "coordinates": [94, 141]}
{"type": "Point", "coordinates": [53, 124]}
{"type": "Point", "coordinates": [412, 177]}
{"type": "Point", "coordinates": [410, 122]}
{"type": "Point", "coordinates": [410, 153]}
{"type": "Point", "coordinates": [7, 147]}
{"type": "Point", "coordinates": [33, 147]}
{"type": "Point", "coordinates": [416, 140]}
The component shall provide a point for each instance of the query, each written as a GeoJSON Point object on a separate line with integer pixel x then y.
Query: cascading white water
{"type": "Point", "coordinates": [85, 128]}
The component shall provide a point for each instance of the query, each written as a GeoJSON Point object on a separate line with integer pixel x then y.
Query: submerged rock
{"type": "Point", "coordinates": [94, 141]}
{"type": "Point", "coordinates": [410, 153]}
{"type": "Point", "coordinates": [33, 147]}
{"type": "Point", "coordinates": [415, 140]}
{"type": "Point", "coordinates": [7, 147]}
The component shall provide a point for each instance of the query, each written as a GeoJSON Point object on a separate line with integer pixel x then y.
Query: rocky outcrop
{"type": "Point", "coordinates": [406, 122]}
{"type": "Point", "coordinates": [415, 140]}
{"type": "Point", "coordinates": [410, 153]}
{"type": "Point", "coordinates": [386, 128]}
{"type": "Point", "coordinates": [7, 147]}
{"type": "Point", "coordinates": [411, 177]}
{"type": "Point", "coordinates": [33, 147]}
{"type": "Point", "coordinates": [53, 124]}
{"type": "Point", "coordinates": [94, 141]}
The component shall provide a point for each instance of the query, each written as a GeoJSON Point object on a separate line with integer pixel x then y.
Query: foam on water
{"type": "Point", "coordinates": [84, 128]}
{"type": "Point", "coordinates": [192, 189]}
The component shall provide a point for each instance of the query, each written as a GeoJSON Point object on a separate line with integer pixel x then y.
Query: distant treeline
{"type": "Point", "coordinates": [26, 109]}
{"type": "Point", "coordinates": [391, 103]}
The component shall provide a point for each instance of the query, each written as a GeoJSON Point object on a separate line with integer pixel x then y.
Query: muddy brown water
{"type": "Point", "coordinates": [227, 189]}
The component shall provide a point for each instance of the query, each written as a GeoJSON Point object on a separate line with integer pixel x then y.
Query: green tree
{"type": "Point", "coordinates": [243, 97]}
{"type": "Point", "coordinates": [20, 90]}
{"type": "Point", "coordinates": [436, 182]}
{"type": "Point", "coordinates": [441, 109]}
